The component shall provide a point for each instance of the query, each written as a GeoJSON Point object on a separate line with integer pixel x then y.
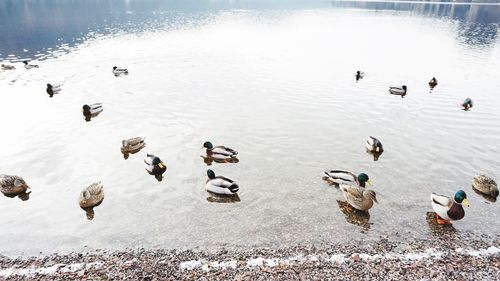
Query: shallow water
{"type": "Point", "coordinates": [278, 86]}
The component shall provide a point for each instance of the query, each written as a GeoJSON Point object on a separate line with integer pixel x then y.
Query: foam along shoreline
{"type": "Point", "coordinates": [382, 259]}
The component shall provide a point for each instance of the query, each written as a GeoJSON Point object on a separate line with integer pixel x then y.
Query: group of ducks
{"type": "Point", "coordinates": [353, 187]}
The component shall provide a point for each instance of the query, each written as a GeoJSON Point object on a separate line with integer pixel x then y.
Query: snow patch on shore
{"type": "Point", "coordinates": [481, 252]}
{"type": "Point", "coordinates": [49, 270]}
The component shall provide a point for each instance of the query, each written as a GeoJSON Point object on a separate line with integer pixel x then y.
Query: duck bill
{"type": "Point", "coordinates": [369, 182]}
{"type": "Point", "coordinates": [465, 202]}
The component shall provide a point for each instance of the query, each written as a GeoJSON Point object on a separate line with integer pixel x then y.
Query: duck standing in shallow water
{"type": "Point", "coordinates": [12, 186]}
{"type": "Point", "coordinates": [117, 71]}
{"type": "Point", "coordinates": [359, 75]}
{"type": "Point", "coordinates": [467, 104]}
{"type": "Point", "coordinates": [344, 177]}
{"type": "Point", "coordinates": [132, 146]}
{"type": "Point", "coordinates": [221, 153]}
{"type": "Point", "coordinates": [29, 66]}
{"type": "Point", "coordinates": [220, 185]}
{"type": "Point", "coordinates": [155, 166]}
{"type": "Point", "coordinates": [91, 197]}
{"type": "Point", "coordinates": [433, 83]}
{"type": "Point", "coordinates": [53, 89]}
{"type": "Point", "coordinates": [8, 67]}
{"type": "Point", "coordinates": [449, 209]}
{"type": "Point", "coordinates": [360, 198]}
{"type": "Point", "coordinates": [486, 186]}
{"type": "Point", "coordinates": [398, 91]}
{"type": "Point", "coordinates": [91, 111]}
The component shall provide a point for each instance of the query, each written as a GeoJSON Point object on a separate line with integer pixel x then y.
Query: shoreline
{"type": "Point", "coordinates": [460, 258]}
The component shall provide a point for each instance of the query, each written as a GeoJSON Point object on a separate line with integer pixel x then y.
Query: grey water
{"type": "Point", "coordinates": [271, 79]}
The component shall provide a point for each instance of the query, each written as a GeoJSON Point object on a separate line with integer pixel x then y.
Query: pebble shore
{"type": "Point", "coordinates": [437, 258]}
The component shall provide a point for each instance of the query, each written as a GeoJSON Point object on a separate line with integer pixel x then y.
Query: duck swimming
{"type": "Point", "coordinates": [29, 66]}
{"type": "Point", "coordinates": [91, 197]}
{"type": "Point", "coordinates": [343, 177]}
{"type": "Point", "coordinates": [449, 209]}
{"type": "Point", "coordinates": [119, 71]}
{"type": "Point", "coordinates": [373, 145]}
{"type": "Point", "coordinates": [220, 185]}
{"type": "Point", "coordinates": [91, 111]}
{"type": "Point", "coordinates": [132, 146]}
{"type": "Point", "coordinates": [220, 152]}
{"type": "Point", "coordinates": [398, 91]}
{"type": "Point", "coordinates": [53, 89]}
{"type": "Point", "coordinates": [360, 198]}
{"type": "Point", "coordinates": [359, 75]}
{"type": "Point", "coordinates": [467, 104]}
{"type": "Point", "coordinates": [8, 67]}
{"type": "Point", "coordinates": [12, 186]}
{"type": "Point", "coordinates": [485, 185]}
{"type": "Point", "coordinates": [433, 83]}
{"type": "Point", "coordinates": [155, 166]}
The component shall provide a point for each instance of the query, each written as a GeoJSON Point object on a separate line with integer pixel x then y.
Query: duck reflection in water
{"type": "Point", "coordinates": [354, 216]}
{"type": "Point", "coordinates": [488, 198]}
{"type": "Point", "coordinates": [209, 160]}
{"type": "Point", "coordinates": [441, 230]}
{"type": "Point", "coordinates": [218, 198]}
{"type": "Point", "coordinates": [14, 186]}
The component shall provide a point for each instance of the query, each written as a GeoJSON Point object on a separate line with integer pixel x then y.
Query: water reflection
{"type": "Point", "coordinates": [209, 160]}
{"type": "Point", "coordinates": [354, 216]}
{"type": "Point", "coordinates": [219, 198]}
{"type": "Point", "coordinates": [477, 24]}
{"type": "Point", "coordinates": [488, 198]}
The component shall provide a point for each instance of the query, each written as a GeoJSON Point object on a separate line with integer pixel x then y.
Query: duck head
{"type": "Point", "coordinates": [25, 62]}
{"type": "Point", "coordinates": [208, 145]}
{"type": "Point", "coordinates": [49, 86]}
{"type": "Point", "coordinates": [210, 174]}
{"type": "Point", "coordinates": [115, 67]}
{"type": "Point", "coordinates": [404, 87]}
{"type": "Point", "coordinates": [363, 179]}
{"type": "Point", "coordinates": [461, 198]}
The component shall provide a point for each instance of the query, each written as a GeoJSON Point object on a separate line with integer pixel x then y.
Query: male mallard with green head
{"type": "Point", "coordinates": [449, 209]}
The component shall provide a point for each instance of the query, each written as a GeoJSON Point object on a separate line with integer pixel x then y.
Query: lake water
{"type": "Point", "coordinates": [274, 81]}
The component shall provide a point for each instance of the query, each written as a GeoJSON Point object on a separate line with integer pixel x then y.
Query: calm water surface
{"type": "Point", "coordinates": [275, 83]}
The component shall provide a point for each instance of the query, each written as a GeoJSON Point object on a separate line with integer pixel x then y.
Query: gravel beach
{"type": "Point", "coordinates": [439, 258]}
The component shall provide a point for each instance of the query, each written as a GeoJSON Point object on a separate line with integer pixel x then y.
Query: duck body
{"type": "Point", "coordinates": [219, 152]}
{"type": "Point", "coordinates": [154, 166]}
{"type": "Point", "coordinates": [449, 209]}
{"type": "Point", "coordinates": [360, 198]}
{"type": "Point", "coordinates": [398, 91]}
{"type": "Point", "coordinates": [92, 110]}
{"type": "Point", "coordinates": [467, 104]}
{"type": "Point", "coordinates": [29, 66]}
{"type": "Point", "coordinates": [133, 145]}
{"type": "Point", "coordinates": [433, 83]}
{"type": "Point", "coordinates": [117, 71]}
{"type": "Point", "coordinates": [359, 75]}
{"type": "Point", "coordinates": [485, 185]}
{"type": "Point", "coordinates": [92, 196]}
{"type": "Point", "coordinates": [8, 67]}
{"type": "Point", "coordinates": [13, 185]}
{"type": "Point", "coordinates": [374, 145]}
{"type": "Point", "coordinates": [344, 177]}
{"type": "Point", "coordinates": [53, 89]}
{"type": "Point", "coordinates": [220, 185]}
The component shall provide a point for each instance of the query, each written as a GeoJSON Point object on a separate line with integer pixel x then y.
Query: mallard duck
{"type": "Point", "coordinates": [374, 145]}
{"type": "Point", "coordinates": [12, 186]}
{"type": "Point", "coordinates": [220, 185]}
{"type": "Point", "coordinates": [485, 185]}
{"type": "Point", "coordinates": [91, 197]}
{"type": "Point", "coordinates": [8, 67]}
{"type": "Point", "coordinates": [448, 209]}
{"type": "Point", "coordinates": [399, 91]}
{"type": "Point", "coordinates": [155, 166]}
{"type": "Point", "coordinates": [219, 152]}
{"type": "Point", "coordinates": [344, 177]}
{"type": "Point", "coordinates": [119, 71]}
{"type": "Point", "coordinates": [360, 198]}
{"type": "Point", "coordinates": [433, 83]}
{"type": "Point", "coordinates": [359, 75]}
{"type": "Point", "coordinates": [29, 66]}
{"type": "Point", "coordinates": [91, 111]}
{"type": "Point", "coordinates": [53, 89]}
{"type": "Point", "coordinates": [132, 146]}
{"type": "Point", "coordinates": [467, 104]}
